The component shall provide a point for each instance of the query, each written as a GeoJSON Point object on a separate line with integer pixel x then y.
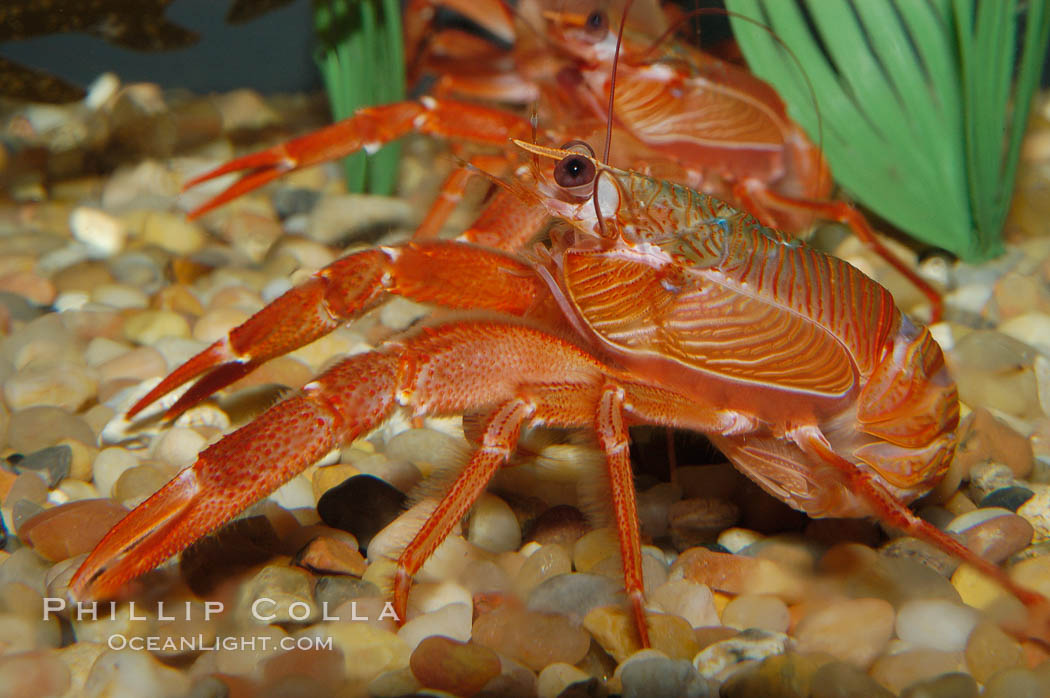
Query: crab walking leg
{"type": "Point", "coordinates": [599, 401]}
{"type": "Point", "coordinates": [894, 513]}
{"type": "Point", "coordinates": [613, 439]}
{"type": "Point", "coordinates": [452, 274]}
{"type": "Point", "coordinates": [443, 370]}
{"type": "Point", "coordinates": [369, 128]}
{"type": "Point", "coordinates": [497, 443]}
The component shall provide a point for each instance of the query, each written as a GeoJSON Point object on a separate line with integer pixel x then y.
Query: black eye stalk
{"type": "Point", "coordinates": [574, 171]}
{"type": "Point", "coordinates": [596, 25]}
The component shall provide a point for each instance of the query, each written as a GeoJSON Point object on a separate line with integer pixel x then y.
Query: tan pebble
{"type": "Point", "coordinates": [82, 458]}
{"type": "Point", "coordinates": [149, 326]}
{"type": "Point", "coordinates": [614, 629]}
{"type": "Point", "coordinates": [119, 296]}
{"type": "Point", "coordinates": [428, 597]}
{"type": "Point", "coordinates": [534, 639]}
{"type": "Point", "coordinates": [178, 446]}
{"type": "Point", "coordinates": [452, 620]}
{"type": "Point", "coordinates": [287, 591]}
{"type": "Point", "coordinates": [28, 486]}
{"type": "Point", "coordinates": [400, 682]}
{"type": "Point", "coordinates": [178, 298]}
{"type": "Point", "coordinates": [381, 572]}
{"type": "Point", "coordinates": [654, 572]}
{"type": "Point", "coordinates": [236, 296]}
{"type": "Point", "coordinates": [989, 650]}
{"type": "Point", "coordinates": [284, 370]}
{"type": "Point", "coordinates": [34, 428]}
{"type": "Point", "coordinates": [325, 666]}
{"type": "Point", "coordinates": [725, 657]}
{"type": "Point", "coordinates": [127, 672]}
{"type": "Point", "coordinates": [245, 109]}
{"type": "Point", "coordinates": [1016, 682]}
{"type": "Point", "coordinates": [7, 481]}
{"type": "Point", "coordinates": [342, 342]}
{"type": "Point", "coordinates": [549, 561]}
{"type": "Point", "coordinates": [82, 277]}
{"type": "Point", "coordinates": [78, 658]}
{"type": "Point", "coordinates": [450, 559]}
{"type": "Point", "coordinates": [325, 555]}
{"type": "Point", "coordinates": [251, 233]}
{"type": "Point", "coordinates": [736, 574]}
{"type": "Point", "coordinates": [853, 630]}
{"type": "Point", "coordinates": [242, 656]}
{"type": "Point", "coordinates": [1036, 511]}
{"type": "Point", "coordinates": [71, 529]}
{"type": "Point", "coordinates": [65, 385]}
{"type": "Point", "coordinates": [555, 678]}
{"type": "Point", "coordinates": [897, 671]}
{"type": "Point", "coordinates": [367, 650]}
{"type": "Point", "coordinates": [30, 286]}
{"type": "Point", "coordinates": [140, 363]}
{"type": "Point", "coordinates": [11, 263]}
{"type": "Point", "coordinates": [96, 417]}
{"type": "Point", "coordinates": [330, 476]}
{"type": "Point", "coordinates": [75, 490]}
{"type": "Point", "coordinates": [707, 636]}
{"type": "Point", "coordinates": [757, 611]}
{"type": "Point", "coordinates": [137, 484]}
{"type": "Point", "coordinates": [1033, 574]}
{"type": "Point", "coordinates": [984, 437]}
{"type": "Point", "coordinates": [690, 600]}
{"type": "Point", "coordinates": [456, 667]}
{"type": "Point", "coordinates": [593, 547]}
{"type": "Point", "coordinates": [101, 349]}
{"type": "Point", "coordinates": [34, 673]}
{"type": "Point", "coordinates": [173, 233]}
{"type": "Point", "coordinates": [335, 218]}
{"type": "Point", "coordinates": [216, 324]}
{"type": "Point", "coordinates": [104, 234]}
{"type": "Point", "coordinates": [109, 465]}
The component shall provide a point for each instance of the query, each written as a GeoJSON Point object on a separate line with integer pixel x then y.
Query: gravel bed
{"type": "Point", "coordinates": [105, 287]}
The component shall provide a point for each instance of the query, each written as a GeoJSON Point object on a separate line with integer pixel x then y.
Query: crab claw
{"type": "Point", "coordinates": [237, 471]}
{"type": "Point", "coordinates": [369, 129]}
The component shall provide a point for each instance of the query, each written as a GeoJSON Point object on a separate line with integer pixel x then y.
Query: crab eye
{"type": "Point", "coordinates": [596, 25]}
{"type": "Point", "coordinates": [574, 171]}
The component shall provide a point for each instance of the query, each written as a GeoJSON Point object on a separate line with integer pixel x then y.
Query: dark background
{"type": "Point", "coordinates": [273, 53]}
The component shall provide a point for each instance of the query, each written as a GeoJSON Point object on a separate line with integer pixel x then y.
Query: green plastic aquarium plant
{"type": "Point", "coordinates": [923, 103]}
{"type": "Point", "coordinates": [361, 58]}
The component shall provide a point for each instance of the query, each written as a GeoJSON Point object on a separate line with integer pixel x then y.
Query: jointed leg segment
{"type": "Point", "coordinates": [451, 274]}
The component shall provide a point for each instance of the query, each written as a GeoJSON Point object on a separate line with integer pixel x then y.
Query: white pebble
{"type": "Point", "coordinates": [429, 597]}
{"type": "Point", "coordinates": [493, 526]}
{"type": "Point", "coordinates": [100, 91]}
{"type": "Point", "coordinates": [936, 624]}
{"type": "Point", "coordinates": [453, 620]}
{"type": "Point", "coordinates": [104, 235]}
{"type": "Point", "coordinates": [736, 539]}
{"type": "Point", "coordinates": [109, 465]}
{"type": "Point", "coordinates": [297, 493]}
{"type": "Point", "coordinates": [692, 601]}
{"type": "Point", "coordinates": [179, 446]}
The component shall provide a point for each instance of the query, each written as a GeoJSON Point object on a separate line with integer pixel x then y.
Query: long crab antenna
{"type": "Point", "coordinates": [609, 119]}
{"type": "Point", "coordinates": [612, 90]}
{"type": "Point", "coordinates": [701, 11]}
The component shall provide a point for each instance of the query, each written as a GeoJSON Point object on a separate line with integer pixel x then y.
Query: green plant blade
{"type": "Point", "coordinates": [360, 58]}
{"type": "Point", "coordinates": [918, 114]}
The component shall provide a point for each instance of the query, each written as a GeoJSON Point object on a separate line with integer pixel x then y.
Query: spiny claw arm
{"type": "Point", "coordinates": [369, 128]}
{"type": "Point", "coordinates": [451, 274]}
